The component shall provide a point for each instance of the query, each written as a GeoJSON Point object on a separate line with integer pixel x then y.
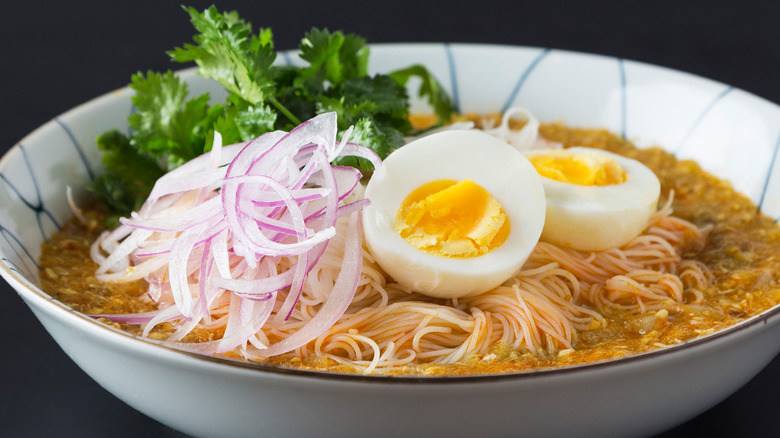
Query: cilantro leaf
{"type": "Point", "coordinates": [226, 50]}
{"type": "Point", "coordinates": [430, 87]}
{"type": "Point", "coordinates": [333, 57]}
{"type": "Point", "coordinates": [129, 176]}
{"type": "Point", "coordinates": [166, 125]}
{"type": "Point", "coordinates": [321, 49]}
{"type": "Point", "coordinates": [376, 106]}
{"type": "Point", "coordinates": [381, 138]}
{"type": "Point", "coordinates": [298, 100]}
{"type": "Point", "coordinates": [354, 56]}
{"type": "Point", "coordinates": [157, 98]}
{"type": "Point", "coordinates": [169, 127]}
{"type": "Point", "coordinates": [253, 121]}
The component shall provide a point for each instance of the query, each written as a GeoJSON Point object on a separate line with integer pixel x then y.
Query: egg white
{"type": "Point", "coordinates": [455, 155]}
{"type": "Point", "coordinates": [596, 218]}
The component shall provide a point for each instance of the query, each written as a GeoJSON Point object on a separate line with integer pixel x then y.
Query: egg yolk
{"type": "Point", "coordinates": [452, 219]}
{"type": "Point", "coordinates": [582, 169]}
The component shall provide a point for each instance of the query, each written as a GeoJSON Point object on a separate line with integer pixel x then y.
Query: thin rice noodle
{"type": "Point", "coordinates": [276, 263]}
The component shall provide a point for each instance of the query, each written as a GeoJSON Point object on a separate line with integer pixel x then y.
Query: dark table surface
{"type": "Point", "coordinates": [56, 55]}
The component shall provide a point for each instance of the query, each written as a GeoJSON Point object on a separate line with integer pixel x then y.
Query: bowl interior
{"type": "Point", "coordinates": [729, 132]}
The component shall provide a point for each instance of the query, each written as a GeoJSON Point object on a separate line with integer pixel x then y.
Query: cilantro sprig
{"type": "Point", "coordinates": [169, 127]}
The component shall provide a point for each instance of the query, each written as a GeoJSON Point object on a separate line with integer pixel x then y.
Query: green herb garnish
{"type": "Point", "coordinates": [169, 128]}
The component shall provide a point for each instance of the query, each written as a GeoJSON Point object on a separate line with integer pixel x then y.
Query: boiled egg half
{"type": "Point", "coordinates": [454, 213]}
{"type": "Point", "coordinates": [595, 199]}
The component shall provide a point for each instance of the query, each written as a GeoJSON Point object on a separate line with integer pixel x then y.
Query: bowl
{"type": "Point", "coordinates": [731, 133]}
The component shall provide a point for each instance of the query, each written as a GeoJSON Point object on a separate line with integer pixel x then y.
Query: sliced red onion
{"type": "Point", "coordinates": [129, 318]}
{"type": "Point", "coordinates": [178, 219]}
{"type": "Point", "coordinates": [163, 315]}
{"type": "Point", "coordinates": [338, 300]}
{"type": "Point", "coordinates": [524, 139]}
{"type": "Point", "coordinates": [77, 213]}
{"type": "Point", "coordinates": [356, 150]}
{"type": "Point", "coordinates": [210, 237]}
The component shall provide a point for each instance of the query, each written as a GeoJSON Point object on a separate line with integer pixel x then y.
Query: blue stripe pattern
{"type": "Point", "coordinates": [24, 259]}
{"type": "Point", "coordinates": [523, 77]}
{"type": "Point", "coordinates": [622, 71]}
{"type": "Point", "coordinates": [19, 257]}
{"type": "Point", "coordinates": [768, 176]}
{"type": "Point", "coordinates": [453, 76]}
{"type": "Point", "coordinates": [78, 147]}
{"type": "Point", "coordinates": [701, 117]}
{"type": "Point", "coordinates": [287, 59]}
{"type": "Point", "coordinates": [37, 207]}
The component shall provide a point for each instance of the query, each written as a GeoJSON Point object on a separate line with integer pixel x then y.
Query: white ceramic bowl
{"type": "Point", "coordinates": [731, 133]}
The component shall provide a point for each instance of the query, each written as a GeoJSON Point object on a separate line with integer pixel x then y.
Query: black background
{"type": "Point", "coordinates": [55, 55]}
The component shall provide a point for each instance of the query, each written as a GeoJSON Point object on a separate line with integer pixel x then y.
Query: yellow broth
{"type": "Point", "coordinates": [741, 251]}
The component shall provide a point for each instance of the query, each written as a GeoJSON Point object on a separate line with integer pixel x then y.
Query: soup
{"type": "Point", "coordinates": [707, 256]}
{"type": "Point", "coordinates": [462, 253]}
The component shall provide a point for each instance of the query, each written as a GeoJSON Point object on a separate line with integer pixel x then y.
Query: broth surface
{"type": "Point", "coordinates": [741, 251]}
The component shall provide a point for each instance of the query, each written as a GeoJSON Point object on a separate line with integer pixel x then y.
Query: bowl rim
{"type": "Point", "coordinates": [28, 291]}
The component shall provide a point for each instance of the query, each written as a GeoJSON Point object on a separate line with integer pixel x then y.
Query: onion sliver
{"type": "Point", "coordinates": [339, 298]}
{"type": "Point", "coordinates": [212, 235]}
